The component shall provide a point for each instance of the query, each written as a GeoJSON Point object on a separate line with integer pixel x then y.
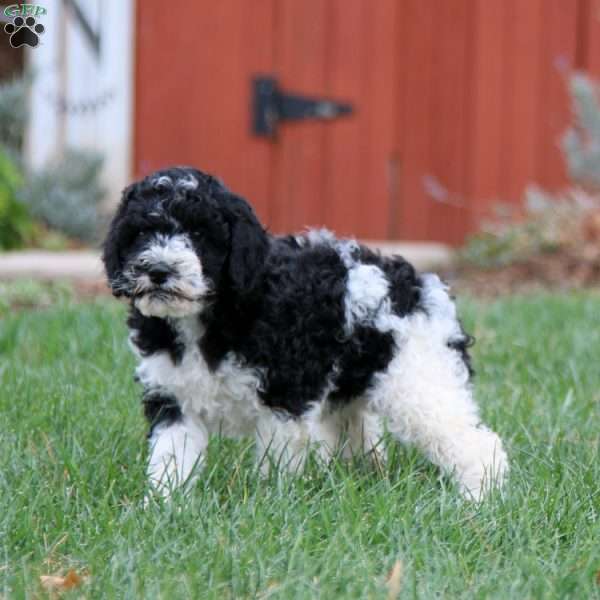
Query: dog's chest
{"type": "Point", "coordinates": [226, 398]}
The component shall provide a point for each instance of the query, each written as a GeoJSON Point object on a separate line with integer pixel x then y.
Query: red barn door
{"type": "Point", "coordinates": [195, 65]}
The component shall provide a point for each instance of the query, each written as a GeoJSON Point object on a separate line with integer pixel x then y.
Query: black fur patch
{"type": "Point", "coordinates": [151, 335]}
{"type": "Point", "coordinates": [405, 288]}
{"type": "Point", "coordinates": [462, 347]}
{"type": "Point", "coordinates": [160, 408]}
{"type": "Point", "coordinates": [294, 334]}
{"type": "Point", "coordinates": [365, 353]}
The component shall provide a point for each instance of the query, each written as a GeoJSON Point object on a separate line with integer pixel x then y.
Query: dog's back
{"type": "Point", "coordinates": [322, 324]}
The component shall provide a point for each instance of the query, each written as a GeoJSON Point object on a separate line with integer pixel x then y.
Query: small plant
{"type": "Point", "coordinates": [547, 224]}
{"type": "Point", "coordinates": [581, 142]}
{"type": "Point", "coordinates": [16, 226]}
{"type": "Point", "coordinates": [66, 196]}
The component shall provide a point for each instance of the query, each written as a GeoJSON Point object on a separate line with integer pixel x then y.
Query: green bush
{"type": "Point", "coordinates": [66, 196]}
{"type": "Point", "coordinates": [16, 226]}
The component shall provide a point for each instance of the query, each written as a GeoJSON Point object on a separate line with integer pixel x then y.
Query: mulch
{"type": "Point", "coordinates": [560, 271]}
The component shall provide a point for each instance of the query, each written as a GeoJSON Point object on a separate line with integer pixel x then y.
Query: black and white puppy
{"type": "Point", "coordinates": [300, 340]}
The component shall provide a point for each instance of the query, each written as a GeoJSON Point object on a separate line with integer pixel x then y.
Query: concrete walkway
{"type": "Point", "coordinates": [86, 265]}
{"type": "Point", "coordinates": [38, 264]}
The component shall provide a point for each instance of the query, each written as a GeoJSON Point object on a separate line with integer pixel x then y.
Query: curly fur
{"type": "Point", "coordinates": [295, 339]}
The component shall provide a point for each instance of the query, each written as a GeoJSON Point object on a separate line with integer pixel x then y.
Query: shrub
{"type": "Point", "coordinates": [547, 224]}
{"type": "Point", "coordinates": [66, 196]}
{"type": "Point", "coordinates": [16, 226]}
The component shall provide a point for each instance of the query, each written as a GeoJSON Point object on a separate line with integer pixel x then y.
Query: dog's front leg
{"type": "Point", "coordinates": [176, 449]}
{"type": "Point", "coordinates": [281, 443]}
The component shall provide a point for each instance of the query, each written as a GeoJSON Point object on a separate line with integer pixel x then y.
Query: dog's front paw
{"type": "Point", "coordinates": [168, 479]}
{"type": "Point", "coordinates": [488, 469]}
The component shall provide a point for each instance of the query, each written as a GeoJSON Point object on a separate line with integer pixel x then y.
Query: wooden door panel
{"type": "Point", "coordinates": [335, 173]}
{"type": "Point", "coordinates": [379, 105]}
{"type": "Point", "coordinates": [447, 212]}
{"type": "Point", "coordinates": [302, 45]}
{"type": "Point", "coordinates": [487, 106]}
{"type": "Point", "coordinates": [360, 149]}
{"type": "Point", "coordinates": [347, 63]}
{"type": "Point", "coordinates": [522, 89]}
{"type": "Point", "coordinates": [415, 132]}
{"type": "Point", "coordinates": [559, 49]}
{"type": "Point", "coordinates": [194, 66]}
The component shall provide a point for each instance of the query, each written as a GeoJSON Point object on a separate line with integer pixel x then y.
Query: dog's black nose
{"type": "Point", "coordinates": [158, 273]}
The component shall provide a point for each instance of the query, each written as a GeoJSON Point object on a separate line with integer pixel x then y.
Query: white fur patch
{"type": "Point", "coordinates": [175, 451]}
{"type": "Point", "coordinates": [189, 182]}
{"type": "Point", "coordinates": [366, 300]}
{"type": "Point", "coordinates": [346, 249]}
{"type": "Point", "coordinates": [187, 283]}
{"type": "Point", "coordinates": [366, 290]}
{"type": "Point", "coordinates": [162, 181]}
{"type": "Point", "coordinates": [225, 400]}
{"type": "Point", "coordinates": [281, 443]}
{"type": "Point", "coordinates": [314, 237]}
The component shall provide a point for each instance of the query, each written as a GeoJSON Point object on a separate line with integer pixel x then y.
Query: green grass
{"type": "Point", "coordinates": [72, 451]}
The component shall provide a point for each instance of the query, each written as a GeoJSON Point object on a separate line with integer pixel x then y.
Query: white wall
{"type": "Point", "coordinates": [69, 77]}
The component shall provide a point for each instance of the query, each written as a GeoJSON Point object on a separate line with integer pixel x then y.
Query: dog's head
{"type": "Point", "coordinates": [179, 238]}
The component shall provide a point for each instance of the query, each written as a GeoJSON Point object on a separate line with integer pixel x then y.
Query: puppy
{"type": "Point", "coordinates": [299, 340]}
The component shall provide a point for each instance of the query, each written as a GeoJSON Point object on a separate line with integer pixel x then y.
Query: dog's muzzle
{"type": "Point", "coordinates": [167, 280]}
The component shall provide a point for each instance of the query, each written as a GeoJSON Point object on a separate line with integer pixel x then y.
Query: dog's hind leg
{"type": "Point", "coordinates": [176, 449]}
{"type": "Point", "coordinates": [346, 431]}
{"type": "Point", "coordinates": [426, 395]}
{"type": "Point", "coordinates": [364, 434]}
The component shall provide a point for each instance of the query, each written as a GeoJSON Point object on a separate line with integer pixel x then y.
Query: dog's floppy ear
{"type": "Point", "coordinates": [111, 256]}
{"type": "Point", "coordinates": [249, 246]}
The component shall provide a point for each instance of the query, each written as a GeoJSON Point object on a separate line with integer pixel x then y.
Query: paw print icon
{"type": "Point", "coordinates": [24, 32]}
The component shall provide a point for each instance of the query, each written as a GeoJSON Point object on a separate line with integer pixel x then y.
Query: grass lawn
{"type": "Point", "coordinates": [72, 452]}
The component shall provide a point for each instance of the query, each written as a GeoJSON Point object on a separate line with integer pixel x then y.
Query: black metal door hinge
{"type": "Point", "coordinates": [270, 105]}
